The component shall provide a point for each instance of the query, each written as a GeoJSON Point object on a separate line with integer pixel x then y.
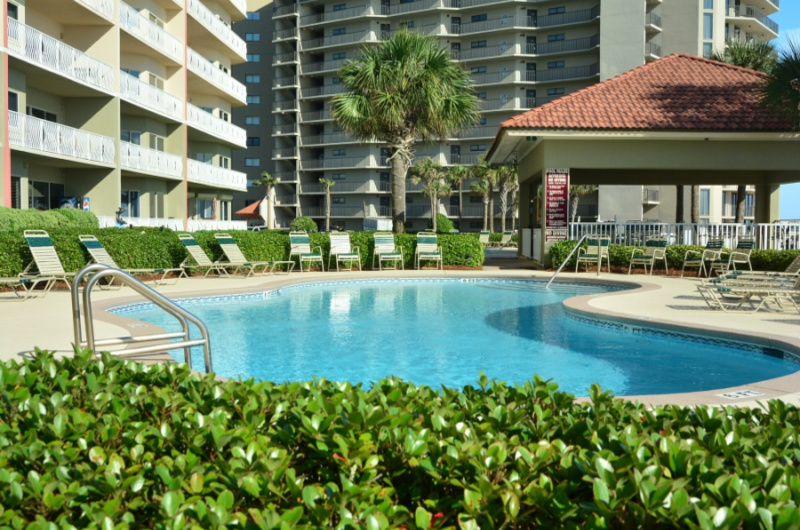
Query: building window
{"type": "Point", "coordinates": [705, 202]}
{"type": "Point", "coordinates": [253, 57]}
{"type": "Point", "coordinates": [708, 4]}
{"type": "Point", "coordinates": [478, 69]}
{"type": "Point", "coordinates": [253, 15]}
{"type": "Point", "coordinates": [13, 11]}
{"type": "Point", "coordinates": [339, 176]}
{"type": "Point", "coordinates": [252, 162]}
{"type": "Point", "coordinates": [481, 95]}
{"type": "Point", "coordinates": [253, 141]}
{"type": "Point", "coordinates": [253, 100]}
{"type": "Point", "coordinates": [482, 121]}
{"type": "Point", "coordinates": [205, 158]}
{"type": "Point", "coordinates": [44, 195]}
{"type": "Point", "coordinates": [133, 137]}
{"type": "Point", "coordinates": [708, 26]}
{"type": "Point", "coordinates": [477, 147]}
{"type": "Point", "coordinates": [556, 37]}
{"type": "Point", "coordinates": [339, 31]}
{"type": "Point", "coordinates": [252, 37]}
{"type": "Point", "coordinates": [555, 91]}
{"type": "Point", "coordinates": [16, 192]}
{"type": "Point", "coordinates": [252, 78]}
{"type": "Point", "coordinates": [708, 49]}
{"type": "Point", "coordinates": [13, 101]}
{"type": "Point", "coordinates": [338, 200]}
{"type": "Point", "coordinates": [479, 18]}
{"type": "Point", "coordinates": [556, 10]}
{"type": "Point", "coordinates": [478, 44]}
{"type": "Point", "coordinates": [475, 199]}
{"type": "Point", "coordinates": [42, 114]}
{"type": "Point", "coordinates": [252, 120]}
{"type": "Point", "coordinates": [555, 64]}
{"type": "Point", "coordinates": [205, 208]}
{"type": "Point", "coordinates": [339, 7]}
{"type": "Point", "coordinates": [339, 55]}
{"type": "Point", "coordinates": [130, 203]}
{"type": "Point", "coordinates": [339, 152]}
{"type": "Point", "coordinates": [407, 24]}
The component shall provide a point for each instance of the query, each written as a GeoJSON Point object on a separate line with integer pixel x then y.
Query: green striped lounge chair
{"type": "Point", "coordinates": [741, 254]}
{"type": "Point", "coordinates": [698, 258]}
{"type": "Point", "coordinates": [46, 265]}
{"type": "Point", "coordinates": [484, 238]}
{"type": "Point", "coordinates": [198, 259]}
{"type": "Point", "coordinates": [99, 254]}
{"type": "Point", "coordinates": [300, 246]}
{"type": "Point", "coordinates": [386, 252]}
{"type": "Point", "coordinates": [594, 253]}
{"type": "Point", "coordinates": [18, 287]}
{"type": "Point", "coordinates": [655, 250]}
{"type": "Point", "coordinates": [790, 273]}
{"type": "Point", "coordinates": [428, 250]}
{"type": "Point", "coordinates": [234, 258]}
{"type": "Point", "coordinates": [343, 252]}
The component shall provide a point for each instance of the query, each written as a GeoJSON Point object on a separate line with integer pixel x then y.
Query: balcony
{"type": "Point", "coordinates": [150, 33]}
{"type": "Point", "coordinates": [338, 40]}
{"type": "Point", "coordinates": [219, 29]}
{"type": "Point", "coordinates": [561, 74]}
{"type": "Point", "coordinates": [216, 177]}
{"type": "Point", "coordinates": [341, 14]}
{"type": "Point", "coordinates": [494, 78]}
{"type": "Point", "coordinates": [310, 68]}
{"type": "Point", "coordinates": [410, 7]}
{"type": "Point", "coordinates": [546, 48]}
{"type": "Point", "coordinates": [285, 177]}
{"type": "Point", "coordinates": [318, 91]}
{"type": "Point", "coordinates": [289, 81]}
{"type": "Point", "coordinates": [652, 51]}
{"type": "Point", "coordinates": [150, 161]}
{"type": "Point", "coordinates": [340, 211]}
{"type": "Point", "coordinates": [486, 131]}
{"type": "Point", "coordinates": [652, 21]}
{"type": "Point", "coordinates": [565, 46]}
{"type": "Point", "coordinates": [285, 105]}
{"type": "Point", "coordinates": [284, 58]}
{"type": "Point", "coordinates": [206, 70]}
{"type": "Point", "coordinates": [32, 133]}
{"type": "Point", "coordinates": [338, 162]}
{"type": "Point", "coordinates": [502, 50]}
{"type": "Point", "coordinates": [464, 160]}
{"type": "Point", "coordinates": [284, 152]}
{"type": "Point", "coordinates": [284, 34]}
{"type": "Point", "coordinates": [104, 8]}
{"type": "Point", "coordinates": [507, 22]}
{"type": "Point", "coordinates": [145, 95]}
{"type": "Point", "coordinates": [289, 128]}
{"type": "Point", "coordinates": [329, 139]}
{"type": "Point", "coordinates": [217, 127]}
{"type": "Point", "coordinates": [499, 104]}
{"type": "Point", "coordinates": [770, 26]}
{"type": "Point", "coordinates": [309, 116]}
{"type": "Point", "coordinates": [284, 11]}
{"type": "Point", "coordinates": [42, 50]}
{"type": "Point", "coordinates": [650, 196]}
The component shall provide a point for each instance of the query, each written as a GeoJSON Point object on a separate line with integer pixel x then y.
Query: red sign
{"type": "Point", "coordinates": [556, 205]}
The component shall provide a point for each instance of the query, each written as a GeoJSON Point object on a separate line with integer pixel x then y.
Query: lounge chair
{"type": "Point", "coordinates": [594, 253]}
{"type": "Point", "coordinates": [18, 287]}
{"type": "Point", "coordinates": [741, 254]}
{"type": "Point", "coordinates": [198, 259]}
{"type": "Point", "coordinates": [428, 249]}
{"type": "Point", "coordinates": [385, 251]}
{"type": "Point", "coordinates": [234, 258]}
{"type": "Point", "coordinates": [505, 239]}
{"type": "Point", "coordinates": [484, 238]}
{"type": "Point", "coordinates": [46, 265]}
{"type": "Point", "coordinates": [343, 252]}
{"type": "Point", "coordinates": [699, 258]}
{"type": "Point", "coordinates": [731, 296]}
{"type": "Point", "coordinates": [655, 250]}
{"type": "Point", "coordinates": [301, 247]}
{"type": "Point", "coordinates": [99, 254]}
{"type": "Point", "coordinates": [791, 272]}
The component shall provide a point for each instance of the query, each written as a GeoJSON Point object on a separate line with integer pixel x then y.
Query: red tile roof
{"type": "Point", "coordinates": [679, 92]}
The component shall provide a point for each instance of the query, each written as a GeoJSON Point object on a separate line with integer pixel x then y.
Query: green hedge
{"type": "Point", "coordinates": [14, 219]}
{"type": "Point", "coordinates": [137, 248]}
{"type": "Point", "coordinates": [107, 444]}
{"type": "Point", "coordinates": [764, 260]}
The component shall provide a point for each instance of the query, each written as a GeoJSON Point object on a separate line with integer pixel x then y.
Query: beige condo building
{"type": "Point", "coordinates": [521, 54]}
{"type": "Point", "coordinates": [123, 104]}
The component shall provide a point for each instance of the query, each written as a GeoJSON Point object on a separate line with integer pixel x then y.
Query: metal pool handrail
{"type": "Point", "coordinates": [97, 272]}
{"type": "Point", "coordinates": [566, 260]}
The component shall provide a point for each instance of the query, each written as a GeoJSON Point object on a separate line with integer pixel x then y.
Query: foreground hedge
{"type": "Point", "coordinates": [89, 444]}
{"type": "Point", "coordinates": [15, 219]}
{"type": "Point", "coordinates": [620, 255]}
{"type": "Point", "coordinates": [141, 248]}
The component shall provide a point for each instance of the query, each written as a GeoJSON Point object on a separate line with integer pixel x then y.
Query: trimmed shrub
{"type": "Point", "coordinates": [90, 443]}
{"type": "Point", "coordinates": [13, 219]}
{"type": "Point", "coordinates": [304, 223]}
{"type": "Point", "coordinates": [443, 224]}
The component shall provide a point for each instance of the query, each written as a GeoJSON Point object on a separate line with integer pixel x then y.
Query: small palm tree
{"type": "Point", "coordinates": [268, 181]}
{"type": "Point", "coordinates": [485, 176]}
{"type": "Point", "coordinates": [435, 185]}
{"type": "Point", "coordinates": [754, 54]}
{"type": "Point", "coordinates": [507, 180]}
{"type": "Point", "coordinates": [576, 192]}
{"type": "Point", "coordinates": [327, 184]}
{"type": "Point", "coordinates": [400, 90]}
{"type": "Point", "coordinates": [515, 204]}
{"type": "Point", "coordinates": [456, 175]}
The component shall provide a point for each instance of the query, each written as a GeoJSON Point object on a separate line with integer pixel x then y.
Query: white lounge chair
{"type": "Point", "coordinates": [301, 247]}
{"type": "Point", "coordinates": [198, 259]}
{"type": "Point", "coordinates": [99, 254]}
{"type": "Point", "coordinates": [343, 252]}
{"type": "Point", "coordinates": [484, 238]}
{"type": "Point", "coordinates": [731, 295]}
{"type": "Point", "coordinates": [385, 251]}
{"type": "Point", "coordinates": [233, 257]}
{"type": "Point", "coordinates": [428, 250]}
{"type": "Point", "coordinates": [46, 265]}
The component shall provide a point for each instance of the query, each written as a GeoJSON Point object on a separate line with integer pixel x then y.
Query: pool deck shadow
{"type": "Point", "coordinates": [664, 302]}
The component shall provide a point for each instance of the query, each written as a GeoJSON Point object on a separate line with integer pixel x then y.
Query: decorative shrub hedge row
{"type": "Point", "coordinates": [107, 444]}
{"type": "Point", "coordinates": [14, 219]}
{"type": "Point", "coordinates": [157, 248]}
{"type": "Point", "coordinates": [766, 260]}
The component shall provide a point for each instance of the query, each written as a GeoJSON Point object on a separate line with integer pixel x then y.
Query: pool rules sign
{"type": "Point", "coordinates": [556, 205]}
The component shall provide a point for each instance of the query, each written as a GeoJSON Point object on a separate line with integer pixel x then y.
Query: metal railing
{"type": "Point", "coordinates": [753, 12]}
{"type": "Point", "coordinates": [573, 251]}
{"type": "Point", "coordinates": [218, 177]}
{"type": "Point", "coordinates": [136, 157]}
{"type": "Point", "coordinates": [309, 68]}
{"type": "Point", "coordinates": [96, 272]}
{"type": "Point", "coordinates": [214, 75]}
{"type": "Point", "coordinates": [103, 7]}
{"type": "Point", "coordinates": [654, 49]}
{"type": "Point", "coordinates": [215, 126]}
{"type": "Point", "coordinates": [148, 31]}
{"type": "Point", "coordinates": [652, 19]}
{"type": "Point", "coordinates": [217, 27]}
{"type": "Point", "coordinates": [281, 11]}
{"type": "Point", "coordinates": [315, 115]}
{"type": "Point", "coordinates": [41, 135]}
{"type": "Point", "coordinates": [650, 196]}
{"type": "Point", "coordinates": [146, 95]}
{"type": "Point", "coordinates": [347, 38]}
{"type": "Point", "coordinates": [341, 14]}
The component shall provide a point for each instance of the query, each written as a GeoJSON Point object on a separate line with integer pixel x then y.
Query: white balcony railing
{"type": "Point", "coordinates": [149, 32]}
{"type": "Point", "coordinates": [102, 7]}
{"type": "Point", "coordinates": [206, 69]}
{"type": "Point", "coordinates": [193, 225]}
{"type": "Point", "coordinates": [137, 91]}
{"type": "Point", "coordinates": [217, 27]}
{"type": "Point", "coordinates": [218, 177]}
{"type": "Point", "coordinates": [207, 122]}
{"type": "Point", "coordinates": [49, 137]}
{"type": "Point", "coordinates": [146, 160]}
{"type": "Point", "coordinates": [43, 50]}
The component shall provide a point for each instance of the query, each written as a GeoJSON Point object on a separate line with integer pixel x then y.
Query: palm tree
{"type": "Point", "coordinates": [404, 88]}
{"type": "Point", "coordinates": [576, 192]}
{"type": "Point", "coordinates": [506, 179]}
{"type": "Point", "coordinates": [268, 181]}
{"type": "Point", "coordinates": [327, 184]}
{"type": "Point", "coordinates": [514, 203]}
{"type": "Point", "coordinates": [435, 185]}
{"type": "Point", "coordinates": [456, 175]}
{"type": "Point", "coordinates": [484, 175]}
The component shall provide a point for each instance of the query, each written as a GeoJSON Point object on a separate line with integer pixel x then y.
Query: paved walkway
{"type": "Point", "coordinates": [666, 302]}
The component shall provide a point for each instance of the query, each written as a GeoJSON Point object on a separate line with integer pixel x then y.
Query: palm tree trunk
{"type": "Point", "coordinates": [399, 169]}
{"type": "Point", "coordinates": [433, 212]}
{"type": "Point", "coordinates": [461, 206]}
{"type": "Point", "coordinates": [695, 204]}
{"type": "Point", "coordinates": [680, 215]}
{"type": "Point", "coordinates": [491, 213]}
{"type": "Point", "coordinates": [486, 213]}
{"type": "Point", "coordinates": [503, 208]}
{"type": "Point", "coordinates": [741, 195]}
{"type": "Point", "coordinates": [328, 209]}
{"type": "Point", "coordinates": [575, 200]}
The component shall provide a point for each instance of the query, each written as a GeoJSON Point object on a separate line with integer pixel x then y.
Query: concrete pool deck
{"type": "Point", "coordinates": [663, 302]}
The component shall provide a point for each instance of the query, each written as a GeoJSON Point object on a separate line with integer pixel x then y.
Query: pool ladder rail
{"type": "Point", "coordinates": [156, 343]}
{"type": "Point", "coordinates": [574, 250]}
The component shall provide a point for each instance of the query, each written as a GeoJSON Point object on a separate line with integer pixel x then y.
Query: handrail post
{"type": "Point", "coordinates": [566, 260]}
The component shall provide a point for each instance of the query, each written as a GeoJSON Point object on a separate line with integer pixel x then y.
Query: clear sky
{"type": "Point", "coordinates": [788, 19]}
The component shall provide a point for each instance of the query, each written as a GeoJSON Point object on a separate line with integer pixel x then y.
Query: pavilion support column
{"type": "Point", "coordinates": [767, 203]}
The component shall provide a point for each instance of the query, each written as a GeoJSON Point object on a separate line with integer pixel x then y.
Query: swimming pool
{"type": "Point", "coordinates": [445, 331]}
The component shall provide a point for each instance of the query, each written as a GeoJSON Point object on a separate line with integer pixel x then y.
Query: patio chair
{"type": "Point", "coordinates": [699, 258]}
{"type": "Point", "coordinates": [505, 239]}
{"type": "Point", "coordinates": [99, 254]}
{"type": "Point", "coordinates": [301, 247]}
{"type": "Point", "coordinates": [46, 265]}
{"type": "Point", "coordinates": [741, 254]}
{"type": "Point", "coordinates": [343, 252]}
{"type": "Point", "coordinates": [594, 253]}
{"type": "Point", "coordinates": [792, 271]}
{"type": "Point", "coordinates": [484, 238]}
{"type": "Point", "coordinates": [428, 249]}
{"type": "Point", "coordinates": [233, 257]}
{"type": "Point", "coordinates": [16, 284]}
{"type": "Point", "coordinates": [385, 251]}
{"type": "Point", "coordinates": [198, 259]}
{"type": "Point", "coordinates": [731, 296]}
{"type": "Point", "coordinates": [655, 250]}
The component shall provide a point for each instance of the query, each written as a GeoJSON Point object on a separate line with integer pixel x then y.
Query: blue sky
{"type": "Point", "coordinates": [788, 18]}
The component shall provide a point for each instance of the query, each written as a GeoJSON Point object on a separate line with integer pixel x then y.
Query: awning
{"type": "Point", "coordinates": [251, 211]}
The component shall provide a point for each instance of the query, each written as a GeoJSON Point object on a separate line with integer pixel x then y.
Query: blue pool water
{"type": "Point", "coordinates": [444, 332]}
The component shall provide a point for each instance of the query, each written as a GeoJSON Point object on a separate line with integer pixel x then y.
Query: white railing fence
{"type": "Point", "coordinates": [202, 173]}
{"type": "Point", "coordinates": [42, 135]}
{"type": "Point", "coordinates": [109, 221]}
{"type": "Point", "coordinates": [777, 236]}
{"type": "Point", "coordinates": [140, 158]}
